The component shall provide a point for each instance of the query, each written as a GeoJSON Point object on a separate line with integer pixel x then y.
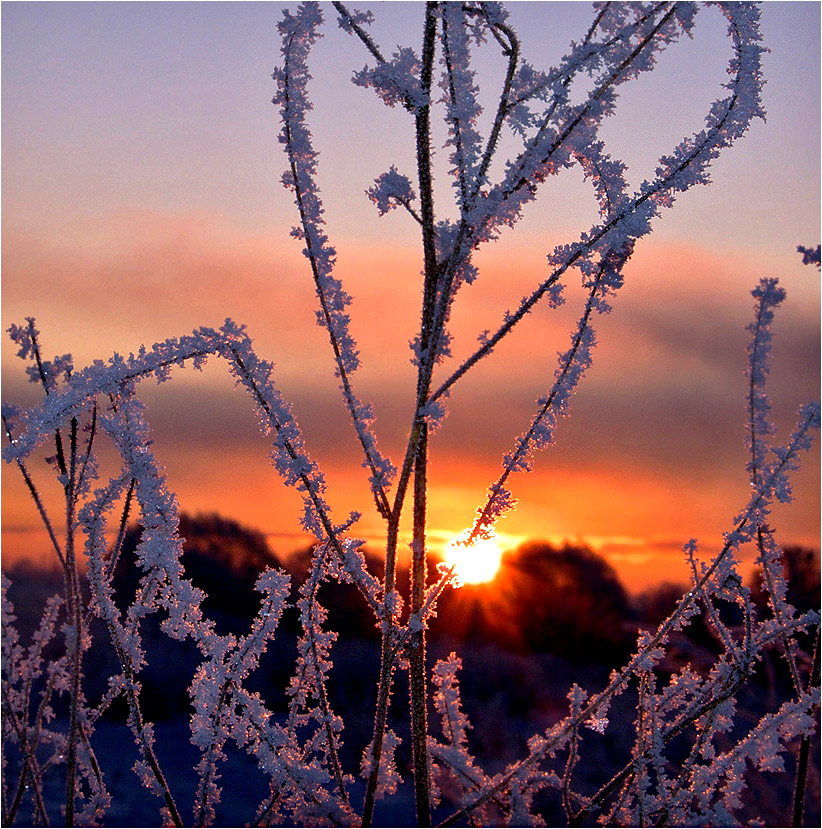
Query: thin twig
{"type": "Point", "coordinates": [805, 746]}
{"type": "Point", "coordinates": [38, 502]}
{"type": "Point", "coordinates": [380, 496]}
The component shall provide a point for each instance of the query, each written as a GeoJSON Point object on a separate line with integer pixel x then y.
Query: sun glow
{"type": "Point", "coordinates": [476, 563]}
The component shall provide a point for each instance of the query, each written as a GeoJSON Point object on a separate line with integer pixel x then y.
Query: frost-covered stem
{"type": "Point", "coordinates": [428, 339]}
{"type": "Point", "coordinates": [595, 96]}
{"type": "Point", "coordinates": [387, 658]}
{"type": "Point", "coordinates": [713, 617]}
{"type": "Point", "coordinates": [640, 750]}
{"type": "Point", "coordinates": [138, 726]}
{"type": "Point", "coordinates": [404, 478]}
{"type": "Point", "coordinates": [92, 757]}
{"type": "Point", "coordinates": [325, 707]}
{"type": "Point", "coordinates": [712, 698]}
{"type": "Point", "coordinates": [416, 644]}
{"type": "Point", "coordinates": [626, 774]}
{"type": "Point", "coordinates": [568, 774]}
{"type": "Point", "coordinates": [527, 303]}
{"type": "Point", "coordinates": [710, 140]}
{"type": "Point", "coordinates": [511, 51]}
{"type": "Point", "coordinates": [428, 334]}
{"type": "Point", "coordinates": [58, 438]}
{"type": "Point", "coordinates": [431, 595]}
{"type": "Point", "coordinates": [511, 320]}
{"type": "Point", "coordinates": [597, 20]}
{"type": "Point", "coordinates": [359, 31]}
{"type": "Point", "coordinates": [569, 72]}
{"type": "Point", "coordinates": [31, 769]}
{"type": "Point", "coordinates": [702, 736]}
{"type": "Point", "coordinates": [308, 484]}
{"type": "Point", "coordinates": [452, 94]}
{"type": "Point", "coordinates": [805, 746]}
{"type": "Point", "coordinates": [333, 754]}
{"type": "Point", "coordinates": [387, 652]}
{"type": "Point", "coordinates": [455, 725]}
{"type": "Point", "coordinates": [121, 532]}
{"type": "Point", "coordinates": [81, 479]}
{"type": "Point", "coordinates": [8, 818]}
{"type": "Point", "coordinates": [265, 811]}
{"type": "Point", "coordinates": [23, 785]}
{"type": "Point", "coordinates": [28, 746]}
{"type": "Point", "coordinates": [224, 707]}
{"type": "Point", "coordinates": [209, 764]}
{"type": "Point", "coordinates": [620, 801]}
{"type": "Point", "coordinates": [74, 607]}
{"type": "Point", "coordinates": [311, 232]}
{"type": "Point", "coordinates": [517, 456]}
{"type": "Point", "coordinates": [45, 699]}
{"type": "Point", "coordinates": [769, 295]}
{"type": "Point", "coordinates": [100, 575]}
{"type": "Point", "coordinates": [416, 444]}
{"type": "Point", "coordinates": [416, 449]}
{"type": "Point", "coordinates": [756, 372]}
{"type": "Point", "coordinates": [111, 563]}
{"type": "Point", "coordinates": [465, 230]}
{"type": "Point", "coordinates": [286, 771]}
{"type": "Point", "coordinates": [758, 427]}
{"type": "Point", "coordinates": [776, 606]}
{"type": "Point", "coordinates": [389, 648]}
{"type": "Point", "coordinates": [35, 495]}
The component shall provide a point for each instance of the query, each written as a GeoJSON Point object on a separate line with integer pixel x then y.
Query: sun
{"type": "Point", "coordinates": [475, 564]}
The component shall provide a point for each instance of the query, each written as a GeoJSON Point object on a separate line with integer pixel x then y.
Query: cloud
{"type": "Point", "coordinates": [117, 281]}
{"type": "Point", "coordinates": [655, 439]}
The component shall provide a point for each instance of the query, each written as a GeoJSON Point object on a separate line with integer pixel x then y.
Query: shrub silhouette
{"type": "Point", "coordinates": [654, 604]}
{"type": "Point", "coordinates": [566, 601]}
{"type": "Point", "coordinates": [801, 574]}
{"type": "Point", "coordinates": [221, 557]}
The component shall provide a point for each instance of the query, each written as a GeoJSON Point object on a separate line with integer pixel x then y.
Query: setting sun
{"type": "Point", "coordinates": [476, 563]}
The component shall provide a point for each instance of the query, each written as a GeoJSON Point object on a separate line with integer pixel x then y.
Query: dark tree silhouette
{"type": "Point", "coordinates": [220, 556]}
{"type": "Point", "coordinates": [801, 567]}
{"type": "Point", "coordinates": [654, 604]}
{"type": "Point", "coordinates": [564, 600]}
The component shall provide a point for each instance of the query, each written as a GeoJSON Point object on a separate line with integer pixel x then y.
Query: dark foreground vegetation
{"type": "Point", "coordinates": [550, 614]}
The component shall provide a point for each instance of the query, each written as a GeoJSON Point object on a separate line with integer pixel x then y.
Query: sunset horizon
{"type": "Point", "coordinates": [635, 508]}
{"type": "Point", "coordinates": [94, 262]}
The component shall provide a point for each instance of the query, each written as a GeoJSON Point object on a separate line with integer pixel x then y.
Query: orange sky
{"type": "Point", "coordinates": [651, 455]}
{"type": "Point", "coordinates": [153, 239]}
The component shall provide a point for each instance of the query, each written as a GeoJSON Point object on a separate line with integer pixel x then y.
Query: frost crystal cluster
{"type": "Point", "coordinates": [300, 752]}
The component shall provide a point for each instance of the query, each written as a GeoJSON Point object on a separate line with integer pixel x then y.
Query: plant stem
{"type": "Point", "coordinates": [387, 657]}
{"type": "Point", "coordinates": [429, 337]}
{"type": "Point", "coordinates": [805, 747]}
{"type": "Point", "coordinates": [416, 644]}
{"type": "Point", "coordinates": [73, 604]}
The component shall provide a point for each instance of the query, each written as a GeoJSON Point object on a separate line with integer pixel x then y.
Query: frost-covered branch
{"type": "Point", "coordinates": [299, 32]}
{"type": "Point", "coordinates": [571, 369]}
{"type": "Point", "coordinates": [811, 256]}
{"type": "Point", "coordinates": [630, 218]}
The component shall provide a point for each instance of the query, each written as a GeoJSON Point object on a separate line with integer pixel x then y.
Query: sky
{"type": "Point", "coordinates": [141, 199]}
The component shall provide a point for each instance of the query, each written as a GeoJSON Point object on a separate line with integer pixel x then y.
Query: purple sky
{"type": "Point", "coordinates": [141, 199]}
